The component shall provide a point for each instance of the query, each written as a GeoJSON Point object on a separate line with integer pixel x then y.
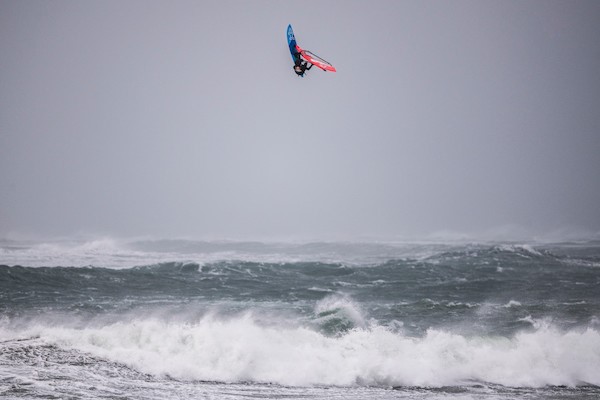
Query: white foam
{"type": "Point", "coordinates": [512, 303]}
{"type": "Point", "coordinates": [240, 349]}
{"type": "Point", "coordinates": [102, 253]}
{"type": "Point", "coordinates": [519, 249]}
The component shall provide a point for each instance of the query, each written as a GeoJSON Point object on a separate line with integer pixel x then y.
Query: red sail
{"type": "Point", "coordinates": [315, 60]}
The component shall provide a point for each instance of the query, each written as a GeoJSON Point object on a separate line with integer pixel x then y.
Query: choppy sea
{"type": "Point", "coordinates": [179, 319]}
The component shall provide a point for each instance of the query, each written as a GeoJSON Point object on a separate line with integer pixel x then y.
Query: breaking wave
{"type": "Point", "coordinates": [241, 349]}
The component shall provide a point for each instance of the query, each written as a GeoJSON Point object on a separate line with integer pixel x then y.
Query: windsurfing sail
{"type": "Point", "coordinates": [315, 59]}
{"type": "Point", "coordinates": [306, 55]}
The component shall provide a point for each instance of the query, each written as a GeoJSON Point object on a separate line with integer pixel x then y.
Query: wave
{"type": "Point", "coordinates": [337, 314]}
{"type": "Point", "coordinates": [240, 348]}
{"type": "Point", "coordinates": [119, 254]}
{"type": "Point", "coordinates": [112, 254]}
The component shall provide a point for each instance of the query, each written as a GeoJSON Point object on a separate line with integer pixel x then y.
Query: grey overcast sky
{"type": "Point", "coordinates": [184, 118]}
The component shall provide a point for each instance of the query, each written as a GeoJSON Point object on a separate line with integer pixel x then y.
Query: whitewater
{"type": "Point", "coordinates": [145, 319]}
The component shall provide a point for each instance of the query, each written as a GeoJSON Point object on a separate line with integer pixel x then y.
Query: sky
{"type": "Point", "coordinates": [185, 119]}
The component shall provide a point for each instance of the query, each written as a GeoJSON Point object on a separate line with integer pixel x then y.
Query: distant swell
{"type": "Point", "coordinates": [240, 349]}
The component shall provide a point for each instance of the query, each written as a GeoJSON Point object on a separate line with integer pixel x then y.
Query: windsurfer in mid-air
{"type": "Point", "coordinates": [301, 66]}
{"type": "Point", "coordinates": [304, 59]}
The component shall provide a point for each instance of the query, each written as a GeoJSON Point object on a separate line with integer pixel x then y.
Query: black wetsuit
{"type": "Point", "coordinates": [304, 65]}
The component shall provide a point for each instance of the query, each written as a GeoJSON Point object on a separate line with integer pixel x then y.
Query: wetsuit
{"type": "Point", "coordinates": [301, 66]}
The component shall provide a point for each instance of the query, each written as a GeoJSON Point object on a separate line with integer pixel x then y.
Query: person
{"type": "Point", "coordinates": [301, 66]}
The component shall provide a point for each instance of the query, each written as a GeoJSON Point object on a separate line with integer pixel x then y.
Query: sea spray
{"type": "Point", "coordinates": [338, 313]}
{"type": "Point", "coordinates": [239, 349]}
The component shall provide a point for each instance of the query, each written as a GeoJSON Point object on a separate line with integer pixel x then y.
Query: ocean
{"type": "Point", "coordinates": [189, 319]}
